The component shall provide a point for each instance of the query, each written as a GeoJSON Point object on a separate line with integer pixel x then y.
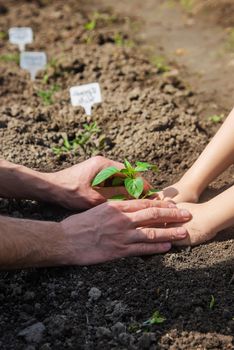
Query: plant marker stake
{"type": "Point", "coordinates": [86, 96]}
{"type": "Point", "coordinates": [20, 36]}
{"type": "Point", "coordinates": [33, 61]}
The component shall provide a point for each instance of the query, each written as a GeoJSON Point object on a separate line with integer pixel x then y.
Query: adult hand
{"type": "Point", "coordinates": [119, 229]}
{"type": "Point", "coordinates": [72, 188]}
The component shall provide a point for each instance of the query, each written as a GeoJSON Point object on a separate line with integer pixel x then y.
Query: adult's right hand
{"type": "Point", "coordinates": [123, 228]}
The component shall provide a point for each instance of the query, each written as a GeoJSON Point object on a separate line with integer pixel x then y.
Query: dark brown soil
{"type": "Point", "coordinates": [144, 116]}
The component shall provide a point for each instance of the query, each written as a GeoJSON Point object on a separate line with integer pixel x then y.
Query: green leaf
{"type": "Point", "coordinates": [118, 197]}
{"type": "Point", "coordinates": [212, 302]}
{"type": "Point", "coordinates": [151, 192]}
{"type": "Point", "coordinates": [104, 175]}
{"type": "Point", "coordinates": [128, 165]}
{"type": "Point", "coordinates": [90, 25]}
{"type": "Point", "coordinates": [117, 181]}
{"type": "Point", "coordinates": [66, 142]}
{"type": "Point", "coordinates": [134, 186]}
{"type": "Point", "coordinates": [155, 319]}
{"type": "Point", "coordinates": [144, 166]}
{"type": "Point", "coordinates": [124, 171]}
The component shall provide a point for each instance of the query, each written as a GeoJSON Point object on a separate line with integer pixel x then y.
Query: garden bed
{"type": "Point", "coordinates": [145, 115]}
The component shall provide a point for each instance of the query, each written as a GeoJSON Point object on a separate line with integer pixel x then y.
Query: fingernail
{"type": "Point", "coordinates": [166, 246]}
{"type": "Point", "coordinates": [171, 205]}
{"type": "Point", "coordinates": [181, 231]}
{"type": "Point", "coordinates": [185, 213]}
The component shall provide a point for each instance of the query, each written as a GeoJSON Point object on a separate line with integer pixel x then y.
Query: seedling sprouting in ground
{"type": "Point", "coordinates": [212, 302]}
{"type": "Point", "coordinates": [3, 35]}
{"type": "Point", "coordinates": [128, 177]}
{"type": "Point", "coordinates": [121, 41]}
{"type": "Point", "coordinates": [11, 57]}
{"type": "Point", "coordinates": [82, 140]}
{"type": "Point", "coordinates": [47, 95]}
{"type": "Point", "coordinates": [216, 118]}
{"type": "Point", "coordinates": [160, 63]}
{"type": "Point", "coordinates": [156, 318]}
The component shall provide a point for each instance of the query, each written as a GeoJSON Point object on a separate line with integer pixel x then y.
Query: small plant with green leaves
{"type": "Point", "coordinates": [129, 177]}
{"type": "Point", "coordinates": [3, 35]}
{"type": "Point", "coordinates": [216, 118]}
{"type": "Point", "coordinates": [10, 57]}
{"type": "Point", "coordinates": [212, 302]}
{"type": "Point", "coordinates": [82, 140]}
{"type": "Point", "coordinates": [47, 95]}
{"type": "Point", "coordinates": [160, 63]}
{"type": "Point", "coordinates": [187, 5]}
{"type": "Point", "coordinates": [119, 40]}
{"type": "Point", "coordinates": [156, 318]}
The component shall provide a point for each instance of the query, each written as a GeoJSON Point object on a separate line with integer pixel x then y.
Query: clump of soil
{"type": "Point", "coordinates": [145, 116]}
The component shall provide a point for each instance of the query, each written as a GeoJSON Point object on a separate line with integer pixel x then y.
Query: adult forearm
{"type": "Point", "coordinates": [17, 181]}
{"type": "Point", "coordinates": [27, 243]}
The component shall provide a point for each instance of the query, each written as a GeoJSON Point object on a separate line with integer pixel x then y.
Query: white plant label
{"type": "Point", "coordinates": [21, 36]}
{"type": "Point", "coordinates": [86, 96]}
{"type": "Point", "coordinates": [33, 61]}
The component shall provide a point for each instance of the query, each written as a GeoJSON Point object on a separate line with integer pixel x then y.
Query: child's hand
{"type": "Point", "coordinates": [179, 192]}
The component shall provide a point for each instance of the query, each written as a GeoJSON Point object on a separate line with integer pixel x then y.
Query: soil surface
{"type": "Point", "coordinates": [145, 115]}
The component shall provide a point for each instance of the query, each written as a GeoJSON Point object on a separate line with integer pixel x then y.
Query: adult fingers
{"type": "Point", "coordinates": [157, 235]}
{"type": "Point", "coordinates": [153, 215]}
{"type": "Point", "coordinates": [140, 249]}
{"type": "Point", "coordinates": [139, 204]}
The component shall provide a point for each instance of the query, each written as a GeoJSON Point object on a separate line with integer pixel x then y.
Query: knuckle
{"type": "Point", "coordinates": [151, 234]}
{"type": "Point", "coordinates": [97, 159]}
{"type": "Point", "coordinates": [154, 213]}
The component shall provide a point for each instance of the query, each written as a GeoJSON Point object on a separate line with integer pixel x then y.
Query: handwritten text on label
{"type": "Point", "coordinates": [33, 62]}
{"type": "Point", "coordinates": [21, 36]}
{"type": "Point", "coordinates": [86, 96]}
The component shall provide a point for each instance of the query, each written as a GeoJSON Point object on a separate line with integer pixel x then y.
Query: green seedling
{"type": "Point", "coordinates": [119, 40]}
{"type": "Point", "coordinates": [47, 95]}
{"type": "Point", "coordinates": [160, 63]}
{"type": "Point", "coordinates": [128, 177]}
{"type": "Point", "coordinates": [187, 5]}
{"type": "Point", "coordinates": [216, 118]}
{"type": "Point", "coordinates": [10, 58]}
{"type": "Point", "coordinates": [230, 40]}
{"type": "Point", "coordinates": [212, 302]}
{"type": "Point", "coordinates": [3, 35]}
{"type": "Point", "coordinates": [81, 140]}
{"type": "Point", "coordinates": [156, 318]}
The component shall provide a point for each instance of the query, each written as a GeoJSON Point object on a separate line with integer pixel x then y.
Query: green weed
{"type": "Point", "coordinates": [3, 35]}
{"type": "Point", "coordinates": [212, 303]}
{"type": "Point", "coordinates": [156, 318]}
{"type": "Point", "coordinates": [216, 118]}
{"type": "Point", "coordinates": [187, 5]}
{"type": "Point", "coordinates": [230, 40]}
{"type": "Point", "coordinates": [128, 177]}
{"type": "Point", "coordinates": [160, 63]}
{"type": "Point", "coordinates": [47, 95]}
{"type": "Point", "coordinates": [82, 139]}
{"type": "Point", "coordinates": [11, 57]}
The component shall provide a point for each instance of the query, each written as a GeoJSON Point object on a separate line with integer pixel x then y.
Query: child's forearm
{"type": "Point", "coordinates": [217, 156]}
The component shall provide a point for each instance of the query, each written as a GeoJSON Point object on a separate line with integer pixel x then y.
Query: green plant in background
{"type": "Point", "coordinates": [52, 65]}
{"type": "Point", "coordinates": [81, 140]}
{"type": "Point", "coordinates": [119, 40]}
{"type": "Point", "coordinates": [160, 63]}
{"type": "Point", "coordinates": [156, 318]}
{"type": "Point", "coordinates": [11, 57]}
{"type": "Point", "coordinates": [187, 5]}
{"type": "Point", "coordinates": [128, 177]}
{"type": "Point", "coordinates": [3, 35]}
{"type": "Point", "coordinates": [47, 95]}
{"type": "Point", "coordinates": [216, 118]}
{"type": "Point", "coordinates": [212, 302]}
{"type": "Point", "coordinates": [230, 40]}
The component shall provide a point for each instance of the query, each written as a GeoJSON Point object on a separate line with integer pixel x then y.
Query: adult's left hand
{"type": "Point", "coordinates": [72, 187]}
